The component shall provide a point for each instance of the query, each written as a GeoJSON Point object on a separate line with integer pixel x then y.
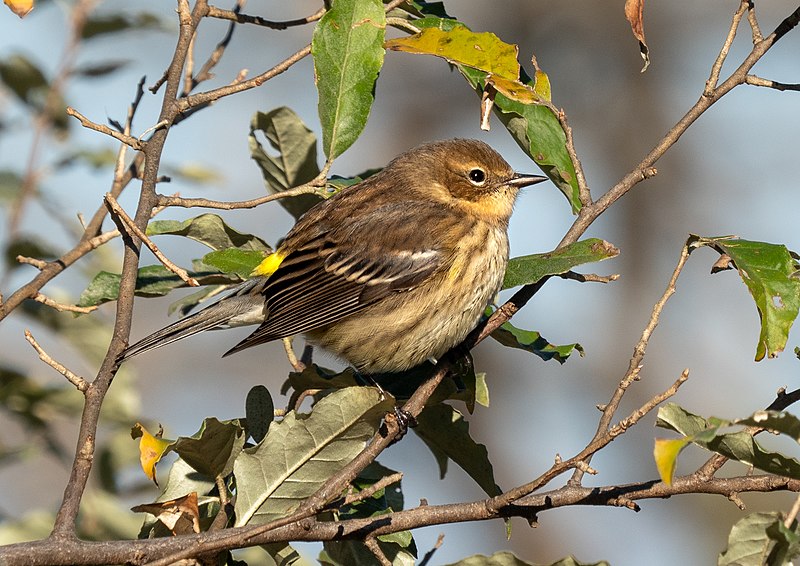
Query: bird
{"type": "Point", "coordinates": [386, 274]}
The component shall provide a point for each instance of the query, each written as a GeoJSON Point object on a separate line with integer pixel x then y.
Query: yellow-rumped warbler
{"type": "Point", "coordinates": [388, 273]}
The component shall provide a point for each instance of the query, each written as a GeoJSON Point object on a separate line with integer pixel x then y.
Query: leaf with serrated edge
{"type": "Point", "coordinates": [347, 47]}
{"type": "Point", "coordinates": [302, 451]}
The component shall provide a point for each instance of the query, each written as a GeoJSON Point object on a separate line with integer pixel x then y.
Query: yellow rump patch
{"type": "Point", "coordinates": [269, 265]}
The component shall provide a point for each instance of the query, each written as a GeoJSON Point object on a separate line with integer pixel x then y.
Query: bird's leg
{"type": "Point", "coordinates": [404, 418]}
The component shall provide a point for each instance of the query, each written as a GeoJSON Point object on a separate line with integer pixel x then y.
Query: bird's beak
{"type": "Point", "coordinates": [519, 180]}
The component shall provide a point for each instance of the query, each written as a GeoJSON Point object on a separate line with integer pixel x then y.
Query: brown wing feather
{"type": "Point", "coordinates": [338, 274]}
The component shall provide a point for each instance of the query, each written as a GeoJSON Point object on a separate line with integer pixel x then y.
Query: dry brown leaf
{"type": "Point", "coordinates": [180, 516]}
{"type": "Point", "coordinates": [634, 10]}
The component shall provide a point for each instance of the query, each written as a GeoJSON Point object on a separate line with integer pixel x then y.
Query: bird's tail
{"type": "Point", "coordinates": [214, 316]}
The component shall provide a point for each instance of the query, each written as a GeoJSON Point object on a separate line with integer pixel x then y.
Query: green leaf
{"type": "Point", "coordinates": [235, 261]}
{"type": "Point", "coordinates": [296, 162]}
{"type": "Point", "coordinates": [771, 274]}
{"type": "Point", "coordinates": [10, 184]}
{"type": "Point", "coordinates": [302, 451]}
{"type": "Point", "coordinates": [211, 230]}
{"type": "Point", "coordinates": [29, 247]}
{"type": "Point", "coordinates": [348, 54]}
{"type": "Point", "coordinates": [444, 429]}
{"type": "Point", "coordinates": [213, 449]}
{"type": "Point", "coordinates": [151, 281]}
{"type": "Point", "coordinates": [98, 70]}
{"type": "Point", "coordinates": [460, 46]}
{"type": "Point", "coordinates": [379, 503]}
{"type": "Point", "coordinates": [748, 542]}
{"type": "Point", "coordinates": [531, 341]}
{"type": "Point", "coordinates": [195, 173]}
{"type": "Point", "coordinates": [94, 158]}
{"type": "Point", "coordinates": [787, 543]}
{"type": "Point", "coordinates": [184, 479]}
{"type": "Point", "coordinates": [103, 25]}
{"type": "Point", "coordinates": [352, 552]}
{"type": "Point", "coordinates": [24, 79]}
{"type": "Point", "coordinates": [740, 446]}
{"type": "Point", "coordinates": [525, 270]}
{"type": "Point", "coordinates": [260, 412]}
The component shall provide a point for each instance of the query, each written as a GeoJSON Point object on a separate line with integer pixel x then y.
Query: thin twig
{"type": "Point", "coordinates": [222, 489]}
{"type": "Point", "coordinates": [792, 515]}
{"type": "Point", "coordinates": [751, 18]}
{"type": "Point", "coordinates": [589, 277]}
{"type": "Point", "coordinates": [716, 68]}
{"type": "Point", "coordinates": [372, 544]}
{"type": "Point", "coordinates": [639, 350]}
{"type": "Point", "coordinates": [43, 122]}
{"type": "Point", "coordinates": [129, 224]}
{"type": "Point", "coordinates": [81, 384]}
{"type": "Point", "coordinates": [203, 98]}
{"type": "Point", "coordinates": [368, 492]}
{"type": "Point", "coordinates": [306, 189]}
{"type": "Point", "coordinates": [758, 81]}
{"type": "Point", "coordinates": [62, 308]}
{"type": "Point", "coordinates": [216, 55]}
{"type": "Point", "coordinates": [234, 16]}
{"type": "Point", "coordinates": [37, 263]}
{"type": "Point", "coordinates": [103, 129]}
{"type": "Point", "coordinates": [429, 555]}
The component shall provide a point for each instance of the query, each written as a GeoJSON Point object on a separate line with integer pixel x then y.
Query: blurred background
{"type": "Point", "coordinates": [734, 172]}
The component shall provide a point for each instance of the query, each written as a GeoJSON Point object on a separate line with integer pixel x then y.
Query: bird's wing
{"type": "Point", "coordinates": [345, 269]}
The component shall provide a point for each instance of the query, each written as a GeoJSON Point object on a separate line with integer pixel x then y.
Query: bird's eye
{"type": "Point", "coordinates": [477, 176]}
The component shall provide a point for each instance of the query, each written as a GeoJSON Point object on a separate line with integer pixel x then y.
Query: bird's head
{"type": "Point", "coordinates": [465, 173]}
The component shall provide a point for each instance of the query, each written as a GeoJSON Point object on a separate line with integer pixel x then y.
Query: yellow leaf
{"type": "Point", "coordinates": [483, 51]}
{"type": "Point", "coordinates": [151, 449]}
{"type": "Point", "coordinates": [666, 453]}
{"type": "Point", "coordinates": [20, 7]}
{"type": "Point", "coordinates": [515, 90]}
{"type": "Point", "coordinates": [542, 84]}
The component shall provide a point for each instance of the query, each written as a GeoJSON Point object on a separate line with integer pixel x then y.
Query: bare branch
{"type": "Point", "coordinates": [129, 224]}
{"type": "Point", "coordinates": [62, 308]}
{"type": "Point", "coordinates": [81, 384]}
{"type": "Point", "coordinates": [103, 129]}
{"type": "Point", "coordinates": [758, 81]}
{"type": "Point", "coordinates": [37, 263]}
{"type": "Point", "coordinates": [634, 366]}
{"type": "Point", "coordinates": [368, 492]}
{"type": "Point", "coordinates": [716, 68]}
{"type": "Point", "coordinates": [306, 189]}
{"type": "Point", "coordinates": [235, 16]}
